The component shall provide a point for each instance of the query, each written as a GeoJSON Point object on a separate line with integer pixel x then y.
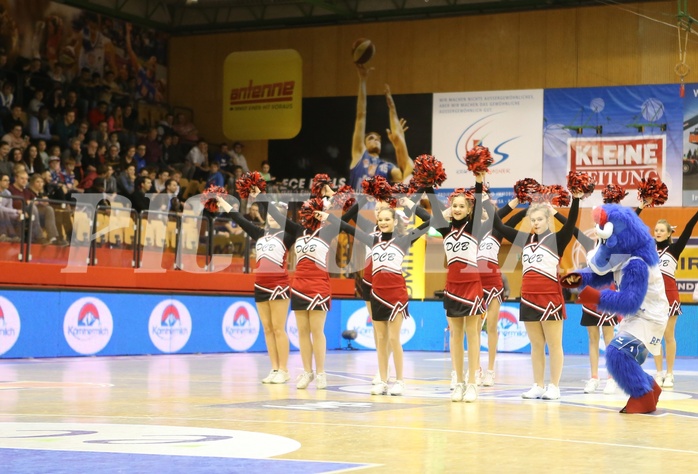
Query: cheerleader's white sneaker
{"type": "Point", "coordinates": [610, 387]}
{"type": "Point", "coordinates": [592, 385]}
{"type": "Point", "coordinates": [470, 393]}
{"type": "Point", "coordinates": [379, 389]}
{"type": "Point", "coordinates": [281, 376]}
{"type": "Point", "coordinates": [552, 392]}
{"type": "Point", "coordinates": [488, 379]}
{"type": "Point", "coordinates": [668, 381]}
{"type": "Point", "coordinates": [304, 380]}
{"type": "Point", "coordinates": [458, 392]}
{"type": "Point", "coordinates": [536, 391]}
{"type": "Point", "coordinates": [398, 388]}
{"type": "Point", "coordinates": [269, 377]}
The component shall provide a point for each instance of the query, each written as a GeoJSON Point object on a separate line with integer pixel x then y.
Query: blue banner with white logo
{"type": "Point", "coordinates": [67, 323]}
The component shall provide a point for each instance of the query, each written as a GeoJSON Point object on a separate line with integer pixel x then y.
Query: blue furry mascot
{"type": "Point", "coordinates": [626, 255]}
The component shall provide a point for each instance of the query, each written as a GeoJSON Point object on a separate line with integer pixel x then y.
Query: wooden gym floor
{"type": "Point", "coordinates": [210, 413]}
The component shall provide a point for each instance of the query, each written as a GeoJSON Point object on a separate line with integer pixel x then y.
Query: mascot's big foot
{"type": "Point", "coordinates": [627, 372]}
{"type": "Point", "coordinates": [644, 404]}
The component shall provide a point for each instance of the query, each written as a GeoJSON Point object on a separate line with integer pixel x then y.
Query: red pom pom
{"type": "Point", "coordinates": [379, 188]}
{"type": "Point", "coordinates": [478, 159]}
{"type": "Point", "coordinates": [408, 189]}
{"type": "Point", "coordinates": [524, 189]}
{"type": "Point", "coordinates": [344, 198]}
{"type": "Point", "coordinates": [208, 198]}
{"type": "Point", "coordinates": [428, 172]}
{"type": "Point", "coordinates": [653, 191]}
{"type": "Point", "coordinates": [467, 193]}
{"type": "Point", "coordinates": [580, 182]}
{"type": "Point", "coordinates": [613, 194]}
{"type": "Point", "coordinates": [307, 213]}
{"type": "Point", "coordinates": [318, 184]}
{"type": "Point", "coordinates": [245, 183]}
{"type": "Point", "coordinates": [556, 195]}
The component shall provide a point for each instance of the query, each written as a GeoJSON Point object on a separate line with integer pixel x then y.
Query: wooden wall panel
{"type": "Point", "coordinates": [530, 51]}
{"type": "Point", "coordinates": [453, 53]}
{"type": "Point", "coordinates": [322, 61]}
{"type": "Point", "coordinates": [505, 38]}
{"type": "Point", "coordinates": [623, 49]}
{"type": "Point", "coordinates": [659, 53]}
{"type": "Point", "coordinates": [592, 43]}
{"type": "Point", "coordinates": [561, 49]}
{"type": "Point", "coordinates": [591, 46]}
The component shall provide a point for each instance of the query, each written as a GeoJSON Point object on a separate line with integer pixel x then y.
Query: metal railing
{"type": "Point", "coordinates": [117, 236]}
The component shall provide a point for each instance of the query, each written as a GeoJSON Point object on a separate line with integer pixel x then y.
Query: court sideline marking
{"type": "Point", "coordinates": [391, 427]}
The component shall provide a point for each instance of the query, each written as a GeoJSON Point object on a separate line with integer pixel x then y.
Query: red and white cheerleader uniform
{"type": "Point", "coordinates": [590, 314]}
{"type": "Point", "coordinates": [488, 252]}
{"type": "Point", "coordinates": [363, 283]}
{"type": "Point", "coordinates": [668, 264]}
{"type": "Point", "coordinates": [669, 254]}
{"type": "Point", "coordinates": [271, 275]}
{"type": "Point", "coordinates": [271, 252]}
{"type": "Point", "coordinates": [389, 291]}
{"type": "Point", "coordinates": [463, 292]}
{"type": "Point", "coordinates": [541, 292]}
{"type": "Point", "coordinates": [310, 288]}
{"type": "Point", "coordinates": [488, 266]}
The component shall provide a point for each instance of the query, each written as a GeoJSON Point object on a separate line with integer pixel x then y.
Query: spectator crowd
{"type": "Point", "coordinates": [61, 137]}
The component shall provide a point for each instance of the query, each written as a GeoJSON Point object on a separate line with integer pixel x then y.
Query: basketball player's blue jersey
{"type": "Point", "coordinates": [368, 167]}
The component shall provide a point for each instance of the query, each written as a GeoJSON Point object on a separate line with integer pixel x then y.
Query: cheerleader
{"type": "Point", "coordinates": [271, 287]}
{"type": "Point", "coordinates": [463, 296]}
{"type": "Point", "coordinates": [389, 292]}
{"type": "Point", "coordinates": [592, 320]}
{"type": "Point", "coordinates": [364, 283]}
{"type": "Point", "coordinates": [542, 304]}
{"type": "Point", "coordinates": [491, 276]}
{"type": "Point", "coordinates": [310, 289]}
{"type": "Point", "coordinates": [669, 253]}
{"type": "Point", "coordinates": [652, 192]}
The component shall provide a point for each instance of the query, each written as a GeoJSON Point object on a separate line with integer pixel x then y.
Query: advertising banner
{"type": "Point", "coordinates": [82, 323]}
{"type": "Point", "coordinates": [70, 323]}
{"type": "Point", "coordinates": [687, 270]}
{"type": "Point", "coordinates": [619, 135]}
{"type": "Point", "coordinates": [509, 123]}
{"type": "Point", "coordinates": [262, 94]}
{"type": "Point", "coordinates": [690, 145]}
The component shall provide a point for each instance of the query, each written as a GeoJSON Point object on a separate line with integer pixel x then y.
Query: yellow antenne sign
{"type": "Point", "coordinates": [262, 94]}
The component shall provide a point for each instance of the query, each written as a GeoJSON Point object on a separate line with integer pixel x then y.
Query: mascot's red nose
{"type": "Point", "coordinates": [600, 216]}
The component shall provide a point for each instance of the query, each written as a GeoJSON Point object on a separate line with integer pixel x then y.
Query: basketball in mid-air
{"type": "Point", "coordinates": [362, 51]}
